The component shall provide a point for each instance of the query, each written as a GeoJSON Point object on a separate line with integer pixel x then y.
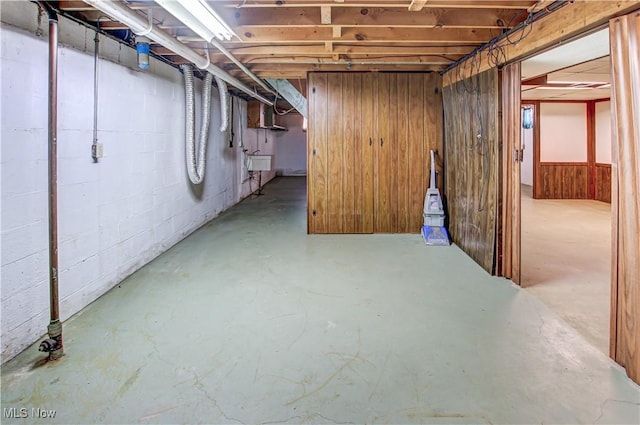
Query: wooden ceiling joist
{"type": "Point", "coordinates": [372, 17]}
{"type": "Point", "coordinates": [377, 34]}
{"type": "Point", "coordinates": [288, 38]}
{"type": "Point", "coordinates": [403, 4]}
{"type": "Point", "coordinates": [559, 26]}
{"type": "Point", "coordinates": [322, 50]}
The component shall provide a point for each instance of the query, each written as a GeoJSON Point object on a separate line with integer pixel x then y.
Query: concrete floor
{"type": "Point", "coordinates": [566, 261]}
{"type": "Point", "coordinates": [250, 320]}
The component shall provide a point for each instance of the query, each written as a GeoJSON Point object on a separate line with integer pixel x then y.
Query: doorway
{"type": "Point", "coordinates": [566, 183]}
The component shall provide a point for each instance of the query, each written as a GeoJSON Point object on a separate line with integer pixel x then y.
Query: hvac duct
{"type": "Point", "coordinates": [224, 104]}
{"type": "Point", "coordinates": [196, 164]}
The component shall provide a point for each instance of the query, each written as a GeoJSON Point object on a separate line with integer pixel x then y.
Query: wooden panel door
{"type": "Point", "coordinates": [335, 150]}
{"type": "Point", "coordinates": [357, 175]}
{"type": "Point", "coordinates": [340, 174]}
{"type": "Point", "coordinates": [385, 212]}
{"type": "Point", "coordinates": [317, 154]}
{"type": "Point", "coordinates": [369, 137]}
{"type": "Point", "coordinates": [402, 165]}
{"type": "Point", "coordinates": [472, 165]}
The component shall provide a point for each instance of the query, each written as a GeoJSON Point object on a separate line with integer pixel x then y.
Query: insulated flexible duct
{"type": "Point", "coordinates": [196, 165]}
{"type": "Point", "coordinates": [224, 104]}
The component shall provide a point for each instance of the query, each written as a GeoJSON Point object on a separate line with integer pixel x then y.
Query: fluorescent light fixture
{"type": "Point", "coordinates": [210, 18]}
{"type": "Point", "coordinates": [563, 88]}
{"type": "Point", "coordinates": [577, 82]}
{"type": "Point", "coordinates": [200, 17]}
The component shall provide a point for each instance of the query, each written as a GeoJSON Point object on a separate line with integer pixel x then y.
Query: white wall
{"type": "Point", "coordinates": [291, 150]}
{"type": "Point", "coordinates": [526, 167]}
{"type": "Point", "coordinates": [246, 142]}
{"type": "Point", "coordinates": [118, 214]}
{"type": "Point", "coordinates": [563, 132]}
{"type": "Point", "coordinates": [603, 132]}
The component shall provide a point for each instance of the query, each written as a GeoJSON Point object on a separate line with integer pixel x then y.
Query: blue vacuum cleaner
{"type": "Point", "coordinates": [433, 231]}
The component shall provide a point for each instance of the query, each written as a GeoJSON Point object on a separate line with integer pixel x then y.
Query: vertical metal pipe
{"type": "Point", "coordinates": [53, 167]}
{"type": "Point", "coordinates": [53, 345]}
{"type": "Point", "coordinates": [96, 41]}
{"type": "Point", "coordinates": [94, 146]}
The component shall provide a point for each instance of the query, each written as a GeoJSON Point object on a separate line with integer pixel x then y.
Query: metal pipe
{"type": "Point", "coordinates": [53, 345]}
{"type": "Point", "coordinates": [139, 24]}
{"type": "Point", "coordinates": [96, 50]}
{"type": "Point", "coordinates": [215, 43]}
{"type": "Point", "coordinates": [53, 164]}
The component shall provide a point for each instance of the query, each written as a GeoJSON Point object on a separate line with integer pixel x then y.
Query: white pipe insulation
{"type": "Point", "coordinates": [139, 25]}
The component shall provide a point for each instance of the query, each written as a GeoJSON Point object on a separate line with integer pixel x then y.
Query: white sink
{"type": "Point", "coordinates": [259, 162]}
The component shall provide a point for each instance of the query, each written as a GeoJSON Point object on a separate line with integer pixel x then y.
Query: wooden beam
{"type": "Point", "coordinates": [536, 81]}
{"type": "Point", "coordinates": [375, 16]}
{"type": "Point", "coordinates": [331, 57]}
{"type": "Point", "coordinates": [338, 47]}
{"type": "Point", "coordinates": [394, 48]}
{"type": "Point", "coordinates": [380, 34]}
{"type": "Point", "coordinates": [337, 31]}
{"type": "Point", "coordinates": [435, 4]}
{"type": "Point", "coordinates": [325, 15]}
{"type": "Point", "coordinates": [566, 23]}
{"type": "Point", "coordinates": [286, 68]}
{"type": "Point", "coordinates": [417, 5]}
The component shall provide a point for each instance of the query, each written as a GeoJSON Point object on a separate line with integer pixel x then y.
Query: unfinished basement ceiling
{"type": "Point", "coordinates": [288, 38]}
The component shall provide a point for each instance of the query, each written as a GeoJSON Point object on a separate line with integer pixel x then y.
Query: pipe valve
{"type": "Point", "coordinates": [53, 344]}
{"type": "Point", "coordinates": [48, 345]}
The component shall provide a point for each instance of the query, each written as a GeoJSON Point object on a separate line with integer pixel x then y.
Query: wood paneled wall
{"type": "Point", "coordinates": [562, 180]}
{"type": "Point", "coordinates": [603, 182]}
{"type": "Point", "coordinates": [368, 150]}
{"type": "Point", "coordinates": [571, 180]}
{"type": "Point", "coordinates": [625, 211]}
{"type": "Point", "coordinates": [472, 138]}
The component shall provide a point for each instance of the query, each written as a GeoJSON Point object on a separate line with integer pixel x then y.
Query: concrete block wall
{"type": "Point", "coordinates": [115, 215]}
{"type": "Point", "coordinates": [291, 152]}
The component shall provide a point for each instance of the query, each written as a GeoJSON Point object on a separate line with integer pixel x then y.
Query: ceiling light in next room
{"type": "Point", "coordinates": [199, 17]}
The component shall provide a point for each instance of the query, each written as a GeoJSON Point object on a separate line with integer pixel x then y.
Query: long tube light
{"type": "Point", "coordinates": [209, 26]}
{"type": "Point", "coordinates": [200, 17]}
{"type": "Point", "coordinates": [210, 19]}
{"type": "Point", "coordinates": [139, 25]}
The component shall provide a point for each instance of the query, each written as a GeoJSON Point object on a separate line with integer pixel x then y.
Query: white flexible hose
{"type": "Point", "coordinates": [196, 165]}
{"type": "Point", "coordinates": [224, 104]}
